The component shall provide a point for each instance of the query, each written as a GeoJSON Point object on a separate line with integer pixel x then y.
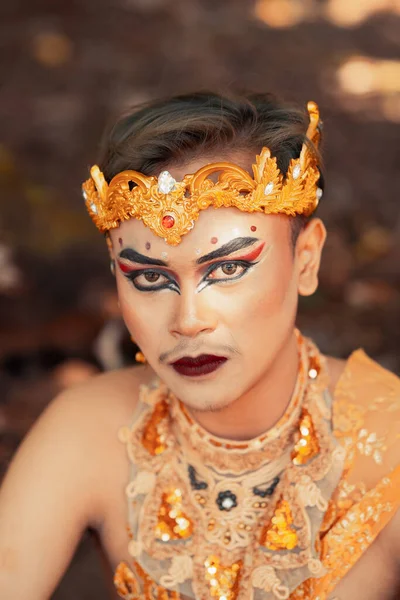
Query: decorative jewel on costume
{"type": "Point", "coordinates": [226, 500]}
{"type": "Point", "coordinates": [279, 533]}
{"type": "Point", "coordinates": [307, 446]}
{"type": "Point", "coordinates": [319, 194]}
{"type": "Point", "coordinates": [85, 196]}
{"type": "Point", "coordinates": [172, 523]}
{"type": "Point", "coordinates": [267, 492]}
{"type": "Point", "coordinates": [223, 580]}
{"type": "Point", "coordinates": [166, 183]}
{"type": "Point", "coordinates": [314, 367]}
{"type": "Point", "coordinates": [153, 436]}
{"type": "Point", "coordinates": [195, 484]}
{"type": "Point", "coordinates": [170, 208]}
{"type": "Point", "coordinates": [125, 582]}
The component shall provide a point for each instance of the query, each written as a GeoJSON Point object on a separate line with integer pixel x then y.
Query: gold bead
{"type": "Point", "coordinates": [140, 357]}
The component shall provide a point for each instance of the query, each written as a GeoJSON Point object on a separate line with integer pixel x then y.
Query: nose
{"type": "Point", "coordinates": [192, 315]}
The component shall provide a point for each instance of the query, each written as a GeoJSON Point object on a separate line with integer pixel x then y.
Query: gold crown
{"type": "Point", "coordinates": [170, 208]}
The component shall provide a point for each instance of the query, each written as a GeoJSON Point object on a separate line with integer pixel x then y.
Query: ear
{"type": "Point", "coordinates": [308, 256]}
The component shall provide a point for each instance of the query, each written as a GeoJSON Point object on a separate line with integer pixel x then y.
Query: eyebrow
{"type": "Point", "coordinates": [133, 256]}
{"type": "Point", "coordinates": [225, 250]}
{"type": "Point", "coordinates": [228, 248]}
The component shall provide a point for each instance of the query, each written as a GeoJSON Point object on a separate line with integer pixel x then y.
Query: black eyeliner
{"type": "Point", "coordinates": [241, 263]}
{"type": "Point", "coordinates": [170, 284]}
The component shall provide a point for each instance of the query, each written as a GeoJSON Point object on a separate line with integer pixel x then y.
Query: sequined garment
{"type": "Point", "coordinates": [284, 515]}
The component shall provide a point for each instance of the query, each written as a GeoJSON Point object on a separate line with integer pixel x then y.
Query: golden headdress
{"type": "Point", "coordinates": [170, 208]}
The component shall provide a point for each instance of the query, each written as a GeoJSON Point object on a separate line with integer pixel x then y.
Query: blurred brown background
{"type": "Point", "coordinates": [68, 67]}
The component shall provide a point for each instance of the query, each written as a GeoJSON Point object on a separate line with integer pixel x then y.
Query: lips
{"type": "Point", "coordinates": [200, 365]}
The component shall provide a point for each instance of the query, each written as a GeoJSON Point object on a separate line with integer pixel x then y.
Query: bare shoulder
{"type": "Point", "coordinates": [62, 479]}
{"type": "Point", "coordinates": [74, 443]}
{"type": "Point", "coordinates": [108, 398]}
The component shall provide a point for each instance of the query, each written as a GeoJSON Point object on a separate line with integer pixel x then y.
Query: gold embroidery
{"type": "Point", "coordinates": [126, 583]}
{"type": "Point", "coordinates": [307, 446]}
{"type": "Point", "coordinates": [172, 524]}
{"type": "Point", "coordinates": [280, 534]}
{"type": "Point", "coordinates": [153, 438]}
{"type": "Point", "coordinates": [369, 444]}
{"type": "Point", "coordinates": [223, 580]}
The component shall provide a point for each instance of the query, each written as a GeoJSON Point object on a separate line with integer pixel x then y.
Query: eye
{"type": "Point", "coordinates": [228, 270]}
{"type": "Point", "coordinates": [151, 276]}
{"type": "Point", "coordinates": [152, 280]}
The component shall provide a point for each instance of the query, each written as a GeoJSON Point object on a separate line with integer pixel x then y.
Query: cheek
{"type": "Point", "coordinates": [142, 317]}
{"type": "Point", "coordinates": [268, 304]}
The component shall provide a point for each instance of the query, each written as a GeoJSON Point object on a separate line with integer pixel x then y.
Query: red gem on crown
{"type": "Point", "coordinates": [168, 221]}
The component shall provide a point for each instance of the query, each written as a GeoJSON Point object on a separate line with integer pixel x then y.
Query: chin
{"type": "Point", "coordinates": [204, 399]}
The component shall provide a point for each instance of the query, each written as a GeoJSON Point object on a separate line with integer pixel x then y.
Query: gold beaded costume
{"type": "Point", "coordinates": [282, 516]}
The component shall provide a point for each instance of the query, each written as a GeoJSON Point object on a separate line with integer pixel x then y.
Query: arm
{"type": "Point", "coordinates": [46, 501]}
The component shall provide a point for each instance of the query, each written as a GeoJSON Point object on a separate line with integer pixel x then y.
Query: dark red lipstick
{"type": "Point", "coordinates": [201, 365]}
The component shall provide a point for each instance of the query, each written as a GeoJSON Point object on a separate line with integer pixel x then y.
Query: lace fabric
{"type": "Point", "coordinates": [268, 518]}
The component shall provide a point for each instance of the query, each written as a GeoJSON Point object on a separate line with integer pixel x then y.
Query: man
{"type": "Point", "coordinates": [256, 468]}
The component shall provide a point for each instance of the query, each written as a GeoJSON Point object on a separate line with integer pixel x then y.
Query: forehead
{"type": "Point", "coordinates": [213, 228]}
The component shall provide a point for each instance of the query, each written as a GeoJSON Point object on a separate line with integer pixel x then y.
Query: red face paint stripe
{"type": "Point", "coordinates": [251, 255]}
{"type": "Point", "coordinates": [125, 268]}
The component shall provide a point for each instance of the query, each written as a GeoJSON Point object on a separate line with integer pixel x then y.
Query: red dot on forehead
{"type": "Point", "coordinates": [214, 240]}
{"type": "Point", "coordinates": [253, 228]}
{"type": "Point", "coordinates": [148, 245]}
{"type": "Point", "coordinates": [120, 241]}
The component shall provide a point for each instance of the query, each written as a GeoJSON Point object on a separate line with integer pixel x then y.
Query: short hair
{"type": "Point", "coordinates": [175, 130]}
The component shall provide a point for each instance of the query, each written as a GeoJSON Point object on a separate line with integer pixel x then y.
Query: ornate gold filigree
{"type": "Point", "coordinates": [170, 208]}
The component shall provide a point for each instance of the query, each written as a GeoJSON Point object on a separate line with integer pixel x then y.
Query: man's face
{"type": "Point", "coordinates": [225, 296]}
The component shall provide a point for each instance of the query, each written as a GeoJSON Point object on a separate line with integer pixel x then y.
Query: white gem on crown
{"type": "Point", "coordinates": [166, 183]}
{"type": "Point", "coordinates": [84, 194]}
{"type": "Point", "coordinates": [319, 193]}
{"type": "Point", "coordinates": [93, 208]}
{"type": "Point", "coordinates": [296, 171]}
{"type": "Point", "coordinates": [268, 188]}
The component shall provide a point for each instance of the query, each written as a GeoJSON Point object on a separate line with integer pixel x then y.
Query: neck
{"type": "Point", "coordinates": [262, 405]}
